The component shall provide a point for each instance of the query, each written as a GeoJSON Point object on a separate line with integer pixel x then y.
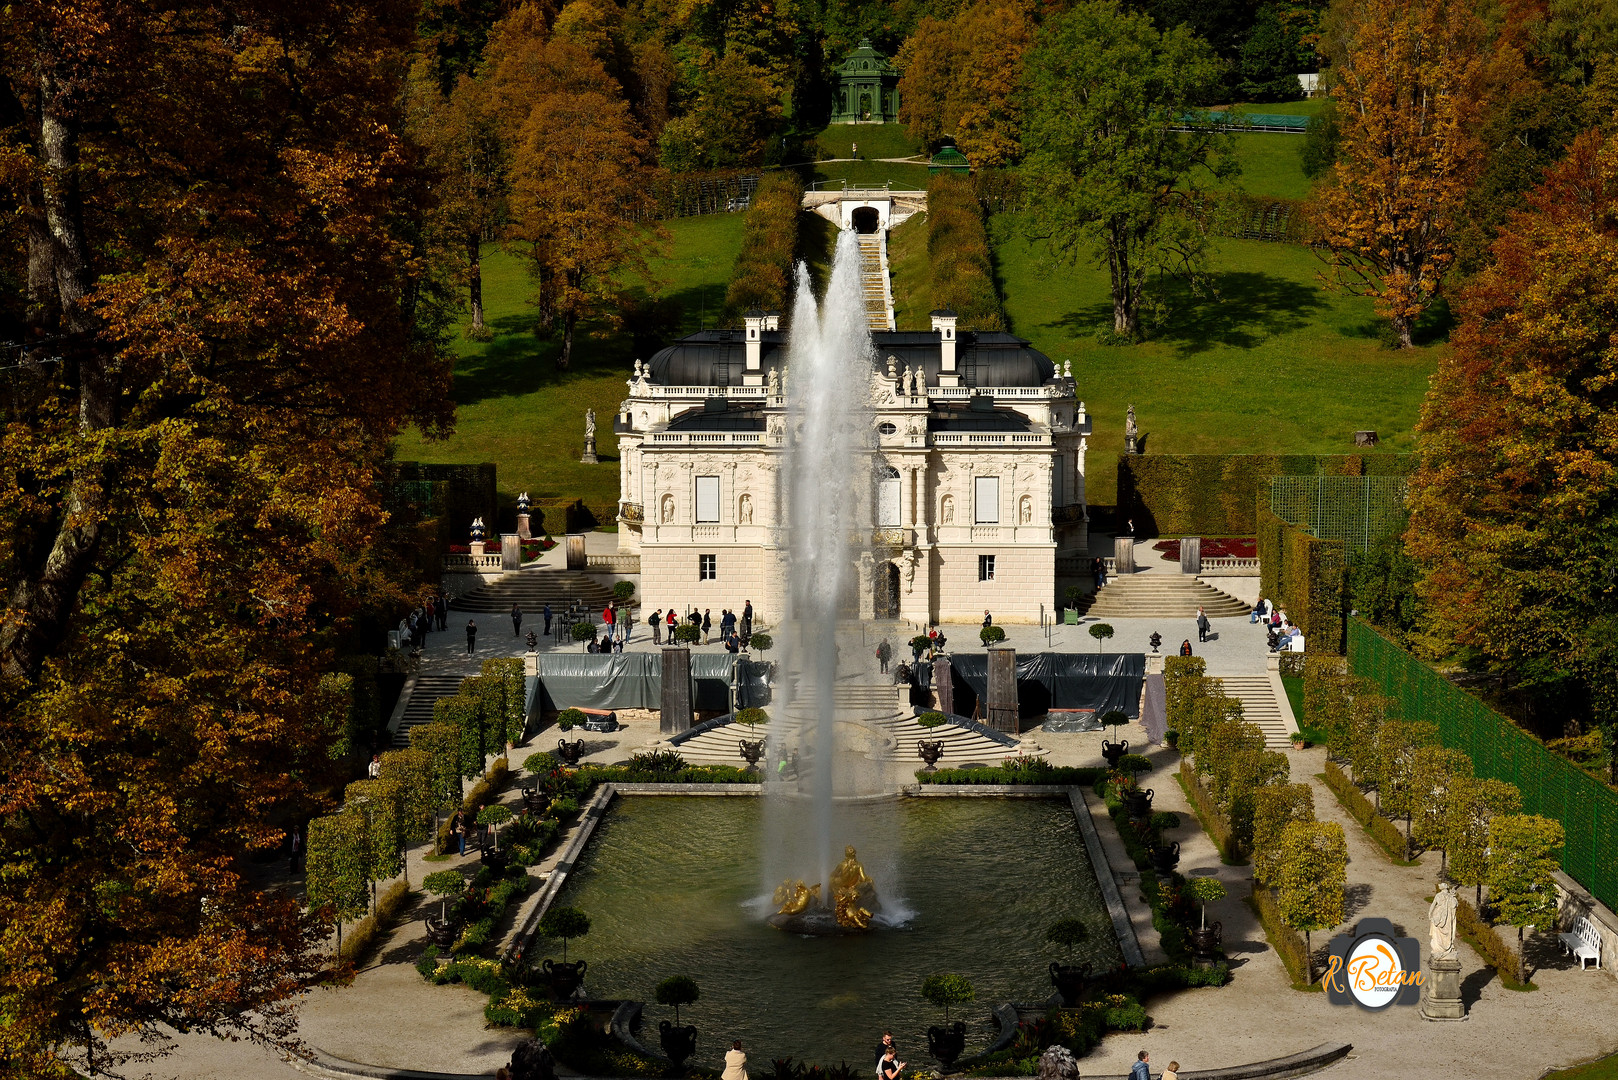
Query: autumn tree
{"type": "Point", "coordinates": [1525, 851]}
{"type": "Point", "coordinates": [222, 327]}
{"type": "Point", "coordinates": [1275, 806]}
{"type": "Point", "coordinates": [1472, 806]}
{"type": "Point", "coordinates": [1406, 81]}
{"type": "Point", "coordinates": [1438, 777]}
{"type": "Point", "coordinates": [961, 77]}
{"type": "Point", "coordinates": [1313, 872]}
{"type": "Point", "coordinates": [734, 117]}
{"type": "Point", "coordinates": [1514, 508]}
{"type": "Point", "coordinates": [1109, 172]}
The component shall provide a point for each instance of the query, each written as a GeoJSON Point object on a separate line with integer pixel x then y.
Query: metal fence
{"type": "Point", "coordinates": [1550, 785]}
{"type": "Point", "coordinates": [1358, 510]}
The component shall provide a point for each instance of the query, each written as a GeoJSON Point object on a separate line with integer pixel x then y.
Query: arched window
{"type": "Point", "coordinates": [887, 497]}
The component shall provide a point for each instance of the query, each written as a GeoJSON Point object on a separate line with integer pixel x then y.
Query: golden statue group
{"type": "Point", "coordinates": [853, 898]}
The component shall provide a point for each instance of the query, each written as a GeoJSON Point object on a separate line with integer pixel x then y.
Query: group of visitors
{"type": "Point", "coordinates": [735, 631]}
{"type": "Point", "coordinates": [1142, 1069]}
{"type": "Point", "coordinates": [429, 614]}
{"type": "Point", "coordinates": [1282, 635]}
{"type": "Point", "coordinates": [888, 1065]}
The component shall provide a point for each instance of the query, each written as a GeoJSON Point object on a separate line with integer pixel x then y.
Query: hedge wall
{"type": "Point", "coordinates": [958, 251]}
{"type": "Point", "coordinates": [764, 267]}
{"type": "Point", "coordinates": [464, 491]}
{"type": "Point", "coordinates": [1307, 576]}
{"type": "Point", "coordinates": [1214, 494]}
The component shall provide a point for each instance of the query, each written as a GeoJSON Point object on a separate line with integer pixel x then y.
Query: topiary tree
{"type": "Point", "coordinates": [444, 884]}
{"type": "Point", "coordinates": [584, 632]}
{"type": "Point", "coordinates": [1074, 594]}
{"type": "Point", "coordinates": [687, 634]}
{"type": "Point", "coordinates": [1275, 806]}
{"type": "Point", "coordinates": [1472, 807]}
{"type": "Point", "coordinates": [946, 990]}
{"type": "Point", "coordinates": [761, 642]}
{"type": "Point", "coordinates": [623, 590]}
{"type": "Point", "coordinates": [752, 717]}
{"type": "Point", "coordinates": [931, 719]}
{"type": "Point", "coordinates": [338, 869]}
{"type": "Point", "coordinates": [568, 719]}
{"type": "Point", "coordinates": [1205, 890]}
{"type": "Point", "coordinates": [677, 990]}
{"type": "Point", "coordinates": [1134, 764]}
{"type": "Point", "coordinates": [1068, 933]}
{"type": "Point", "coordinates": [1309, 886]}
{"type": "Point", "coordinates": [441, 742]}
{"type": "Point", "coordinates": [1101, 632]}
{"type": "Point", "coordinates": [494, 815]}
{"type": "Point", "coordinates": [381, 803]}
{"type": "Point", "coordinates": [564, 923]}
{"type": "Point", "coordinates": [1525, 851]}
{"type": "Point", "coordinates": [412, 770]}
{"type": "Point", "coordinates": [992, 635]}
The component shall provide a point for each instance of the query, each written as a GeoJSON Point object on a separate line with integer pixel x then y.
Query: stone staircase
{"type": "Point", "coordinates": [1259, 706]}
{"type": "Point", "coordinates": [874, 280]}
{"type": "Point", "coordinates": [418, 709]}
{"type": "Point", "coordinates": [1145, 595]}
{"type": "Point", "coordinates": [533, 588]}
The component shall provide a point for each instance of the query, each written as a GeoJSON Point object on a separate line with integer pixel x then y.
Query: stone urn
{"type": "Point", "coordinates": [1111, 752]}
{"type": "Point", "coordinates": [565, 978]}
{"type": "Point", "coordinates": [930, 750]}
{"type": "Point", "coordinates": [534, 800]}
{"type": "Point", "coordinates": [679, 1043]}
{"type": "Point", "coordinates": [1138, 803]}
{"type": "Point", "coordinates": [1166, 857]}
{"type": "Point", "coordinates": [441, 932]}
{"type": "Point", "coordinates": [751, 750]}
{"type": "Point", "coordinates": [946, 1044]}
{"type": "Point", "coordinates": [496, 860]}
{"type": "Point", "coordinates": [1207, 941]}
{"type": "Point", "coordinates": [1069, 980]}
{"type": "Point", "coordinates": [570, 752]}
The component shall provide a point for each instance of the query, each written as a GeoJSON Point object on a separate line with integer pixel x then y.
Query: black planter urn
{"type": "Point", "coordinates": [751, 750]}
{"type": "Point", "coordinates": [1112, 751]}
{"type": "Point", "coordinates": [1166, 857]}
{"type": "Point", "coordinates": [1138, 803]}
{"type": "Point", "coordinates": [565, 978]}
{"type": "Point", "coordinates": [679, 1043]}
{"type": "Point", "coordinates": [441, 932]}
{"type": "Point", "coordinates": [1207, 941]}
{"type": "Point", "coordinates": [570, 752]}
{"type": "Point", "coordinates": [1069, 980]}
{"type": "Point", "coordinates": [930, 750]}
{"type": "Point", "coordinates": [946, 1044]}
{"type": "Point", "coordinates": [497, 861]}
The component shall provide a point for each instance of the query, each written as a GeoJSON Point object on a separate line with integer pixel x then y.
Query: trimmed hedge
{"type": "Point", "coordinates": [1487, 943]}
{"type": "Point", "coordinates": [1215, 494]}
{"type": "Point", "coordinates": [1214, 823]}
{"type": "Point", "coordinates": [1306, 576]}
{"type": "Point", "coordinates": [369, 931]}
{"type": "Point", "coordinates": [1288, 943]}
{"type": "Point", "coordinates": [763, 277]}
{"type": "Point", "coordinates": [484, 791]}
{"type": "Point", "coordinates": [958, 251]}
{"type": "Point", "coordinates": [1384, 832]}
{"type": "Point", "coordinates": [1066, 776]}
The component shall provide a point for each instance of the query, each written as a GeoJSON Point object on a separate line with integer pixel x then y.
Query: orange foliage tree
{"type": "Point", "coordinates": [961, 77]}
{"type": "Point", "coordinates": [1514, 510]}
{"type": "Point", "coordinates": [223, 323]}
{"type": "Point", "coordinates": [1406, 85]}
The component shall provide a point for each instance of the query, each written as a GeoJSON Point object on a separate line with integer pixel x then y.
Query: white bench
{"type": "Point", "coordinates": [1583, 941]}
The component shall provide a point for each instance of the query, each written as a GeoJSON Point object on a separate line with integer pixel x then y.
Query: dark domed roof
{"type": "Point", "coordinates": [982, 358]}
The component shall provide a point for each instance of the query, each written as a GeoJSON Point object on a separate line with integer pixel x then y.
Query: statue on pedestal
{"type": "Point", "coordinates": [1130, 431]}
{"type": "Point", "coordinates": [1442, 917]}
{"type": "Point", "coordinates": [1441, 997]}
{"type": "Point", "coordinates": [589, 457]}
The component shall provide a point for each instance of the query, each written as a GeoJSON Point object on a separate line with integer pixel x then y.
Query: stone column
{"type": "Point", "coordinates": [1191, 555]}
{"type": "Point", "coordinates": [510, 552]}
{"type": "Point", "coordinates": [1001, 708]}
{"type": "Point", "coordinates": [944, 684]}
{"type": "Point", "coordinates": [575, 551]}
{"type": "Point", "coordinates": [675, 716]}
{"type": "Point", "coordinates": [1123, 555]}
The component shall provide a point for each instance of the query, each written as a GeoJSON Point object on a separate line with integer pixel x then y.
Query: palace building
{"type": "Point", "coordinates": [976, 479]}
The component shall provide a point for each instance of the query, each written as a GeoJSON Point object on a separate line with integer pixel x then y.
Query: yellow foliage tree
{"type": "Point", "coordinates": [961, 77]}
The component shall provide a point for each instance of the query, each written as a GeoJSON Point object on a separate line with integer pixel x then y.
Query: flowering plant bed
{"type": "Point", "coordinates": [1216, 547]}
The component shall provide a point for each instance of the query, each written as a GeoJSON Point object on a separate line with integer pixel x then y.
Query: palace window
{"type": "Point", "coordinates": [985, 567]}
{"type": "Point", "coordinates": [887, 497]}
{"type": "Point", "coordinates": [987, 508]}
{"type": "Point", "coordinates": [707, 567]}
{"type": "Point", "coordinates": [707, 499]}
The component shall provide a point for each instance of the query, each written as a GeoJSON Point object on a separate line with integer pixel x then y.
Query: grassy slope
{"type": "Point", "coordinates": [1272, 164]}
{"type": "Point", "coordinates": [1280, 364]}
{"type": "Point", "coordinates": [875, 141]}
{"type": "Point", "coordinates": [1603, 1069]}
{"type": "Point", "coordinates": [912, 280]}
{"type": "Point", "coordinates": [831, 174]}
{"type": "Point", "coordinates": [515, 408]}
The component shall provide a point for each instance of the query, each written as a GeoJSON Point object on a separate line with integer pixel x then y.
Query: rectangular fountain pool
{"type": "Point", "coordinates": [676, 886]}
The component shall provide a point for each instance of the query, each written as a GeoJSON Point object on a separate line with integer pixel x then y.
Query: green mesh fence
{"type": "Point", "coordinates": [1358, 510]}
{"type": "Point", "coordinates": [1550, 786]}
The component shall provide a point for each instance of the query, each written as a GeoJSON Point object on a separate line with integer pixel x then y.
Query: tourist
{"type": "Point", "coordinates": [884, 653]}
{"type": "Point", "coordinates": [1185, 647]}
{"type": "Point", "coordinates": [297, 849]}
{"type": "Point", "coordinates": [671, 619]}
{"type": "Point", "coordinates": [443, 611]}
{"type": "Point", "coordinates": [428, 609]}
{"type": "Point", "coordinates": [1098, 570]}
{"type": "Point", "coordinates": [890, 1066]}
{"type": "Point", "coordinates": [707, 624]}
{"type": "Point", "coordinates": [656, 623]}
{"type": "Point", "coordinates": [747, 620]}
{"type": "Point", "coordinates": [610, 617]}
{"type": "Point", "coordinates": [547, 618]}
{"type": "Point", "coordinates": [457, 829]}
{"type": "Point", "coordinates": [1141, 1070]}
{"type": "Point", "coordinates": [618, 644]}
{"type": "Point", "coordinates": [1202, 625]}
{"type": "Point", "coordinates": [374, 770]}
{"type": "Point", "coordinates": [1172, 1072]}
{"type": "Point", "coordinates": [884, 1048]}
{"type": "Point", "coordinates": [733, 643]}
{"type": "Point", "coordinates": [516, 620]}
{"type": "Point", "coordinates": [471, 636]}
{"type": "Point", "coordinates": [735, 1063]}
{"type": "Point", "coordinates": [988, 620]}
{"type": "Point", "coordinates": [854, 150]}
{"type": "Point", "coordinates": [727, 622]}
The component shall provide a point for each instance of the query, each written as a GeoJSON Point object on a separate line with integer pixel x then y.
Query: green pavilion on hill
{"type": "Point", "coordinates": [867, 88]}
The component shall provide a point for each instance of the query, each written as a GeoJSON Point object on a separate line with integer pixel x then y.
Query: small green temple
{"type": "Point", "coordinates": [867, 88]}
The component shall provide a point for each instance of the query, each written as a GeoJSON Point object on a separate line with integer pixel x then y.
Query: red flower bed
{"type": "Point", "coordinates": [1244, 547]}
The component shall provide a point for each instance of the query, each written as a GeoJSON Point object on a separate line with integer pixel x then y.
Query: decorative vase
{"type": "Point", "coordinates": [946, 1044]}
{"type": "Point", "coordinates": [570, 752]}
{"type": "Point", "coordinates": [679, 1043]}
{"type": "Point", "coordinates": [441, 932]}
{"type": "Point", "coordinates": [751, 750]}
{"type": "Point", "coordinates": [1166, 857]}
{"type": "Point", "coordinates": [930, 750]}
{"type": "Point", "coordinates": [1069, 980]}
{"type": "Point", "coordinates": [1138, 803]}
{"type": "Point", "coordinates": [565, 978]}
{"type": "Point", "coordinates": [1208, 940]}
{"type": "Point", "coordinates": [1113, 751]}
{"type": "Point", "coordinates": [496, 860]}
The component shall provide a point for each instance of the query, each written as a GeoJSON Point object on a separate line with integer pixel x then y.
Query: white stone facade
{"type": "Point", "coordinates": [974, 491]}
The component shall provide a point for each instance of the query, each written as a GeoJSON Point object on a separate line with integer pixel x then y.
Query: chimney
{"type": "Point", "coordinates": [944, 325]}
{"type": "Point", "coordinates": [772, 320]}
{"type": "Point", "coordinates": [754, 321]}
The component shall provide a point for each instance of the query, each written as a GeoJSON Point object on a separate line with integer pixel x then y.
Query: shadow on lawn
{"type": "Point", "coordinates": [1244, 308]}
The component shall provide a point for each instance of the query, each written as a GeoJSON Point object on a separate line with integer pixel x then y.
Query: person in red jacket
{"type": "Point", "coordinates": [609, 617]}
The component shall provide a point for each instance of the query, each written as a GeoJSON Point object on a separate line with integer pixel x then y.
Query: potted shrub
{"type": "Point", "coordinates": [1136, 801]}
{"type": "Point", "coordinates": [920, 644]}
{"type": "Point", "coordinates": [761, 642]}
{"type": "Point", "coordinates": [564, 923]}
{"type": "Point", "coordinates": [494, 816]}
{"type": "Point", "coordinates": [1205, 939]}
{"type": "Point", "coordinates": [1069, 978]}
{"type": "Point", "coordinates": [1115, 750]}
{"type": "Point", "coordinates": [568, 719]}
{"type": "Point", "coordinates": [678, 1042]}
{"type": "Point", "coordinates": [1171, 738]}
{"type": "Point", "coordinates": [944, 990]}
{"type": "Point", "coordinates": [686, 634]}
{"type": "Point", "coordinates": [931, 719]}
{"type": "Point", "coordinates": [991, 635]}
{"type": "Point", "coordinates": [752, 717]}
{"type": "Point", "coordinates": [622, 591]}
{"type": "Point", "coordinates": [584, 633]}
{"type": "Point", "coordinates": [443, 884]}
{"type": "Point", "coordinates": [1070, 614]}
{"type": "Point", "coordinates": [1101, 632]}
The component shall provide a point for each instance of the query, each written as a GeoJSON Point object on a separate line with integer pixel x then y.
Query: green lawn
{"type": "Point", "coordinates": [1602, 1069]}
{"type": "Point", "coordinates": [831, 174]}
{"type": "Point", "coordinates": [912, 274]}
{"type": "Point", "coordinates": [515, 409]}
{"type": "Point", "coordinates": [1277, 364]}
{"type": "Point", "coordinates": [1306, 107]}
{"type": "Point", "coordinates": [875, 141]}
{"type": "Point", "coordinates": [1272, 164]}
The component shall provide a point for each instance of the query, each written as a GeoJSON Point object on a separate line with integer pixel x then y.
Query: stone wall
{"type": "Point", "coordinates": [1024, 578]}
{"type": "Point", "coordinates": [668, 575]}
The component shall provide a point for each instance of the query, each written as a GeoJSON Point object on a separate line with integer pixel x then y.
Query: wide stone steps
{"type": "Point", "coordinates": [418, 709]}
{"type": "Point", "coordinates": [532, 589]}
{"type": "Point", "coordinates": [1259, 706]}
{"type": "Point", "coordinates": [1160, 596]}
{"type": "Point", "coordinates": [877, 289]}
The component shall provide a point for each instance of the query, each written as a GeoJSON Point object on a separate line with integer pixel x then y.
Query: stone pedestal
{"type": "Point", "coordinates": [1191, 555]}
{"type": "Point", "coordinates": [1123, 555]}
{"type": "Point", "coordinates": [575, 551]}
{"type": "Point", "coordinates": [589, 457]}
{"type": "Point", "coordinates": [676, 713]}
{"type": "Point", "coordinates": [944, 685]}
{"type": "Point", "coordinates": [510, 552]}
{"type": "Point", "coordinates": [524, 532]}
{"type": "Point", "coordinates": [476, 547]}
{"type": "Point", "coordinates": [1001, 708]}
{"type": "Point", "coordinates": [1441, 998]}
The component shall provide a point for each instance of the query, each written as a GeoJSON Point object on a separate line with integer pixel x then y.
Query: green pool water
{"type": "Point", "coordinates": [678, 886]}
